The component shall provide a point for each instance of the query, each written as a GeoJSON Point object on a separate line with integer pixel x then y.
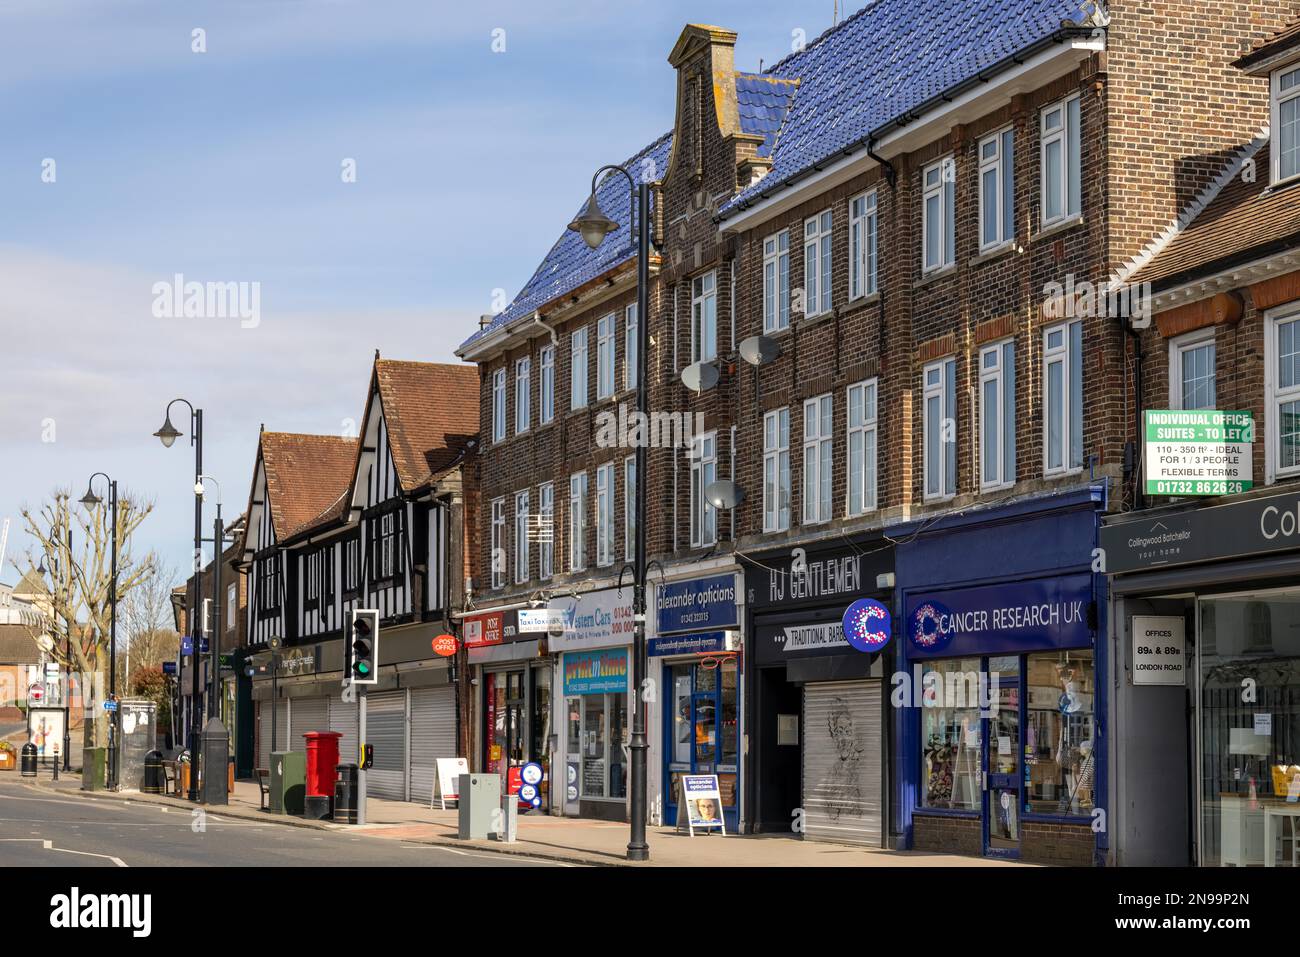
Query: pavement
{"type": "Point", "coordinates": [554, 839]}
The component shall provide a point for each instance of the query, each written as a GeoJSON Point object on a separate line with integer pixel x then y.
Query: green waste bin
{"type": "Point", "coordinates": [288, 782]}
{"type": "Point", "coordinates": [94, 765]}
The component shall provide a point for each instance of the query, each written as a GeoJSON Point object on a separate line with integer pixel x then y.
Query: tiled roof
{"type": "Point", "coordinates": [305, 476]}
{"type": "Point", "coordinates": [432, 412]}
{"type": "Point", "coordinates": [1265, 47]}
{"type": "Point", "coordinates": [571, 263]}
{"type": "Point", "coordinates": [763, 101]}
{"type": "Point", "coordinates": [18, 645]}
{"type": "Point", "coordinates": [1245, 220]}
{"type": "Point", "coordinates": [889, 58]}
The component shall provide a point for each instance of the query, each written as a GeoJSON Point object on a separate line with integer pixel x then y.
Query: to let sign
{"type": "Point", "coordinates": [1198, 452]}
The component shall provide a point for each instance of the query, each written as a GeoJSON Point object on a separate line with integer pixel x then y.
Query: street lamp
{"type": "Point", "coordinates": [91, 500]}
{"type": "Point", "coordinates": [168, 434]}
{"type": "Point", "coordinates": [593, 225]}
{"type": "Point", "coordinates": [216, 742]}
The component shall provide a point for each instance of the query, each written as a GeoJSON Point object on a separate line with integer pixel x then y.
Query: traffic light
{"type": "Point", "coordinates": [363, 647]}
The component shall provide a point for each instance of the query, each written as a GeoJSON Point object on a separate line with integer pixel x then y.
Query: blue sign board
{"type": "Point", "coordinates": [702, 643]}
{"type": "Point", "coordinates": [1022, 616]}
{"type": "Point", "coordinates": [867, 625]}
{"type": "Point", "coordinates": [203, 646]}
{"type": "Point", "coordinates": [596, 672]}
{"type": "Point", "coordinates": [700, 604]}
{"type": "Point", "coordinates": [110, 705]}
{"type": "Point", "coordinates": [187, 645]}
{"type": "Point", "coordinates": [169, 667]}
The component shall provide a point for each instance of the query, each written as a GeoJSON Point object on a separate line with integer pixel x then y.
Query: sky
{"type": "Point", "coordinates": [379, 173]}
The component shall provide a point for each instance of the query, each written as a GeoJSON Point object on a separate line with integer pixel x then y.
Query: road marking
{"type": "Point", "coordinates": [488, 857]}
{"type": "Point", "coordinates": [49, 846]}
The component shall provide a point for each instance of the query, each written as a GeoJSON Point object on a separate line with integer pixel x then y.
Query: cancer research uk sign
{"type": "Point", "coordinates": [1198, 452]}
{"type": "Point", "coordinates": [1036, 615]}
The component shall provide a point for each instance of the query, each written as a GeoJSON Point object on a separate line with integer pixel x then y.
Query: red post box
{"type": "Point", "coordinates": [322, 760]}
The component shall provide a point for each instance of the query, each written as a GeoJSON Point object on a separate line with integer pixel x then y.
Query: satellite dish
{"type": "Point", "coordinates": [699, 376]}
{"type": "Point", "coordinates": [759, 350]}
{"type": "Point", "coordinates": [724, 494]}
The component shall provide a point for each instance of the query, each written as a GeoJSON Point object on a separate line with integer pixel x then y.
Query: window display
{"type": "Point", "coordinates": [950, 735]}
{"type": "Point", "coordinates": [1059, 739]}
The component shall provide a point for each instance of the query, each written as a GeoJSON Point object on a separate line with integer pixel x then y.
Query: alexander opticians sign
{"type": "Point", "coordinates": [1198, 452]}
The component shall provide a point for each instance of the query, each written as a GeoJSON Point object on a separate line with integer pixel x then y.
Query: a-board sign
{"type": "Point", "coordinates": [446, 783]}
{"type": "Point", "coordinates": [700, 806]}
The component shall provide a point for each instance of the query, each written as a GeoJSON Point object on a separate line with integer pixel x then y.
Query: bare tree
{"type": "Point", "coordinates": [147, 616]}
{"type": "Point", "coordinates": [81, 569]}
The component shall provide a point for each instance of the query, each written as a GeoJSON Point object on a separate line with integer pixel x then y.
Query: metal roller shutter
{"type": "Point", "coordinates": [343, 719]}
{"type": "Point", "coordinates": [841, 762]}
{"type": "Point", "coordinates": [281, 726]}
{"type": "Point", "coordinates": [263, 734]}
{"type": "Point", "coordinates": [386, 731]}
{"type": "Point", "coordinates": [433, 735]}
{"type": "Point", "coordinates": [309, 714]}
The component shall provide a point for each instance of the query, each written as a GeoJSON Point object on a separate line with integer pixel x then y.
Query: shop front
{"type": "Point", "coordinates": [816, 706]}
{"type": "Point", "coordinates": [1207, 613]}
{"type": "Point", "coordinates": [515, 679]}
{"type": "Point", "coordinates": [694, 656]}
{"type": "Point", "coordinates": [591, 633]}
{"type": "Point", "coordinates": [999, 692]}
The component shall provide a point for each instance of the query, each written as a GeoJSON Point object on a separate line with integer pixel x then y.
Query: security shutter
{"type": "Point", "coordinates": [343, 719]}
{"type": "Point", "coordinates": [386, 731]}
{"type": "Point", "coordinates": [841, 762]}
{"type": "Point", "coordinates": [309, 714]}
{"type": "Point", "coordinates": [263, 734]}
{"type": "Point", "coordinates": [433, 735]}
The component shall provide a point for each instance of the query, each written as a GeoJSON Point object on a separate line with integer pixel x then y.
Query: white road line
{"type": "Point", "coordinates": [49, 846]}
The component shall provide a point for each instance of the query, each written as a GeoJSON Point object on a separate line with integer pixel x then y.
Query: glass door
{"type": "Point", "coordinates": [1002, 758]}
{"type": "Point", "coordinates": [702, 730]}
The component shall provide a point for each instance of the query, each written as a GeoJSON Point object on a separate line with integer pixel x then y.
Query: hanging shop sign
{"type": "Point", "coordinates": [700, 604]}
{"type": "Point", "coordinates": [1198, 452]}
{"type": "Point", "coordinates": [867, 626]}
{"type": "Point", "coordinates": [445, 645]}
{"type": "Point", "coordinates": [995, 619]}
{"type": "Point", "coordinates": [593, 620]}
{"type": "Point", "coordinates": [1159, 650]}
{"type": "Point", "coordinates": [596, 672]}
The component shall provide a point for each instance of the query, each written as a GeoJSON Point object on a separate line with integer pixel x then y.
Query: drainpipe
{"type": "Point", "coordinates": [1134, 468]}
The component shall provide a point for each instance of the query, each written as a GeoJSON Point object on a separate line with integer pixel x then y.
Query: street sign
{"type": "Point", "coordinates": [52, 669]}
{"type": "Point", "coordinates": [203, 646]}
{"type": "Point", "coordinates": [36, 692]}
{"type": "Point", "coordinates": [169, 667]}
{"type": "Point", "coordinates": [187, 645]}
{"type": "Point", "coordinates": [110, 705]}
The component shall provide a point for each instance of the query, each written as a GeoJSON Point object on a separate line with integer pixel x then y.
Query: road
{"type": "Point", "coordinates": [43, 829]}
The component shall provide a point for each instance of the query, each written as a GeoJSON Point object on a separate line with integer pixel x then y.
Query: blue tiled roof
{"type": "Point", "coordinates": [571, 263]}
{"type": "Point", "coordinates": [891, 57]}
{"type": "Point", "coordinates": [762, 101]}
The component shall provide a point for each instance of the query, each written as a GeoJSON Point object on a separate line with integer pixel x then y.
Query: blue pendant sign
{"type": "Point", "coordinates": [187, 645]}
{"type": "Point", "coordinates": [867, 625]}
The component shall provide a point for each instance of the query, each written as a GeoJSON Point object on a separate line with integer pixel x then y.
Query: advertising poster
{"type": "Point", "coordinates": [702, 801]}
{"type": "Point", "coordinates": [45, 730]}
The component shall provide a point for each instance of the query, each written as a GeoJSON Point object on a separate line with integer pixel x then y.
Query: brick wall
{"type": "Point", "coordinates": [947, 835]}
{"type": "Point", "coordinates": [1068, 845]}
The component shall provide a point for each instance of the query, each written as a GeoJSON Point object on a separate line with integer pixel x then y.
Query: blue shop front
{"type": "Point", "coordinates": [1000, 688]}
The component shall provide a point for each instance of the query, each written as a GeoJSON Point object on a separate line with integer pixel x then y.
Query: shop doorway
{"type": "Point", "coordinates": [701, 727]}
{"type": "Point", "coordinates": [779, 761]}
{"type": "Point", "coordinates": [598, 736]}
{"type": "Point", "coordinates": [1002, 760]}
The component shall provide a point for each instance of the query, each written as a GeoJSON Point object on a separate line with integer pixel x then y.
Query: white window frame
{"type": "Point", "coordinates": [1183, 344]}
{"type": "Point", "coordinates": [864, 244]}
{"type": "Point", "coordinates": [496, 558]}
{"type": "Point", "coordinates": [629, 508]}
{"type": "Point", "coordinates": [578, 521]}
{"type": "Point", "coordinates": [704, 471]}
{"type": "Point", "coordinates": [996, 154]}
{"type": "Point", "coordinates": [941, 386]}
{"type": "Point", "coordinates": [232, 605]}
{"type": "Point", "coordinates": [546, 385]}
{"type": "Point", "coordinates": [864, 435]}
{"type": "Point", "coordinates": [605, 357]}
{"type": "Point", "coordinates": [777, 493]}
{"type": "Point", "coordinates": [1274, 395]}
{"type": "Point", "coordinates": [942, 188]}
{"type": "Point", "coordinates": [578, 369]}
{"type": "Point", "coordinates": [546, 531]}
{"type": "Point", "coordinates": [818, 458]}
{"type": "Point", "coordinates": [605, 515]}
{"type": "Point", "coordinates": [776, 282]}
{"type": "Point", "coordinates": [499, 405]}
{"type": "Point", "coordinates": [631, 347]}
{"type": "Point", "coordinates": [523, 394]}
{"type": "Point", "coordinates": [1063, 354]}
{"type": "Point", "coordinates": [818, 260]}
{"type": "Point", "coordinates": [523, 545]}
{"type": "Point", "coordinates": [1277, 97]}
{"type": "Point", "coordinates": [1069, 136]}
{"type": "Point", "coordinates": [1003, 380]}
{"type": "Point", "coordinates": [704, 317]}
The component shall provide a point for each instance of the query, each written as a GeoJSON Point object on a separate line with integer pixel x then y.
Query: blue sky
{"type": "Point", "coordinates": [225, 166]}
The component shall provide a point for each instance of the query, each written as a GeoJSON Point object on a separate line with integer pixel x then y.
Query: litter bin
{"type": "Point", "coordinates": [322, 759]}
{"type": "Point", "coordinates": [345, 794]}
{"type": "Point", "coordinates": [29, 760]}
{"type": "Point", "coordinates": [155, 782]}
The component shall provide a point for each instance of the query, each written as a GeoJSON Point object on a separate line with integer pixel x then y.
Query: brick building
{"type": "Point", "coordinates": [910, 287]}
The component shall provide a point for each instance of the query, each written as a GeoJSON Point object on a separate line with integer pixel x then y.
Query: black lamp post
{"type": "Point", "coordinates": [593, 225]}
{"type": "Point", "coordinates": [90, 500]}
{"type": "Point", "coordinates": [169, 434]}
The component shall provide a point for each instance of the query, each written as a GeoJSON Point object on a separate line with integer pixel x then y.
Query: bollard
{"type": "Point", "coordinates": [29, 760]}
{"type": "Point", "coordinates": [56, 762]}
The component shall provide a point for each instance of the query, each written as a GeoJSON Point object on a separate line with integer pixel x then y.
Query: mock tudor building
{"type": "Point", "coordinates": [909, 289]}
{"type": "Point", "coordinates": [373, 522]}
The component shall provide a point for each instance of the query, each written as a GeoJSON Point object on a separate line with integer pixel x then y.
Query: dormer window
{"type": "Point", "coordinates": [1285, 122]}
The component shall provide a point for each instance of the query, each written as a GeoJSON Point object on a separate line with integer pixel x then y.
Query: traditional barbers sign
{"type": "Point", "coordinates": [701, 604]}
{"type": "Point", "coordinates": [1209, 533]}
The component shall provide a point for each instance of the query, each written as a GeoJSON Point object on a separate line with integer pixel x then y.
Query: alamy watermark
{"type": "Point", "coordinates": [179, 299]}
